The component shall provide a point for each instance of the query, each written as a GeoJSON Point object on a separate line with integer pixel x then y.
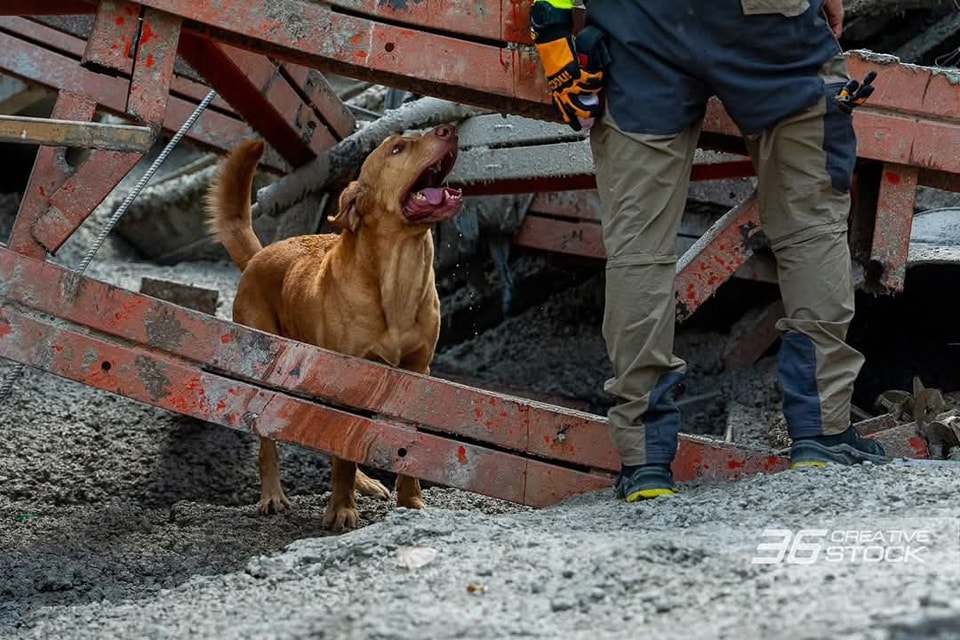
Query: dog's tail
{"type": "Point", "coordinates": [228, 203]}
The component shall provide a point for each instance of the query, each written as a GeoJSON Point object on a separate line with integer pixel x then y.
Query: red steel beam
{"type": "Point", "coordinates": [57, 71]}
{"type": "Point", "coordinates": [302, 96]}
{"type": "Point", "coordinates": [155, 55]}
{"type": "Point", "coordinates": [73, 202]}
{"type": "Point", "coordinates": [318, 94]}
{"type": "Point", "coordinates": [431, 404]}
{"type": "Point", "coordinates": [111, 42]}
{"type": "Point", "coordinates": [149, 92]}
{"type": "Point", "coordinates": [169, 383]}
{"type": "Point", "coordinates": [46, 7]}
{"type": "Point", "coordinates": [893, 223]}
{"type": "Point", "coordinates": [314, 35]}
{"type": "Point", "coordinates": [510, 79]}
{"type": "Point", "coordinates": [311, 121]}
{"type": "Point", "coordinates": [50, 171]}
{"type": "Point", "coordinates": [529, 177]}
{"type": "Point", "coordinates": [910, 119]}
{"type": "Point", "coordinates": [234, 83]}
{"type": "Point", "coordinates": [559, 236]}
{"type": "Point", "coordinates": [939, 180]}
{"type": "Point", "coordinates": [718, 254]}
{"type": "Point", "coordinates": [912, 129]}
{"type": "Point", "coordinates": [75, 47]}
{"type": "Point", "coordinates": [755, 341]}
{"type": "Point", "coordinates": [481, 19]}
{"type": "Point", "coordinates": [579, 205]}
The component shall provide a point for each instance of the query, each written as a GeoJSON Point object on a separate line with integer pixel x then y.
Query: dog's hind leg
{"type": "Point", "coordinates": [367, 486]}
{"type": "Point", "coordinates": [341, 512]}
{"type": "Point", "coordinates": [252, 315]}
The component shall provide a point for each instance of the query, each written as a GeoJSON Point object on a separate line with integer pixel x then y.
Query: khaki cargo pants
{"type": "Point", "coordinates": [804, 165]}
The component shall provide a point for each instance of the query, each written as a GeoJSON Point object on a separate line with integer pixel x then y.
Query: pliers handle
{"type": "Point", "coordinates": [855, 94]}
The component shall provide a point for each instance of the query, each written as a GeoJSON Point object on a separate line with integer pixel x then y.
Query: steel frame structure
{"type": "Point", "coordinates": [263, 58]}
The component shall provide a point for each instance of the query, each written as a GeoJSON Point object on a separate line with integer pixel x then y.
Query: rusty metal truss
{"type": "Point", "coordinates": [153, 61]}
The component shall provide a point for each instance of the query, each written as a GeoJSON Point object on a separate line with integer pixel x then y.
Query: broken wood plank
{"type": "Point", "coordinates": [66, 133]}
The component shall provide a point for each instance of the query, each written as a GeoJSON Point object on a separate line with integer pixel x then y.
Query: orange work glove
{"type": "Point", "coordinates": [575, 90]}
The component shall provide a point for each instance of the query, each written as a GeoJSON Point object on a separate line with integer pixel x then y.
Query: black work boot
{"type": "Point", "coordinates": [845, 448]}
{"type": "Point", "coordinates": [643, 482]}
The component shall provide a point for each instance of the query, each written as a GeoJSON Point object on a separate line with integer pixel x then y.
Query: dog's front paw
{"type": "Point", "coordinates": [340, 518]}
{"type": "Point", "coordinates": [274, 503]}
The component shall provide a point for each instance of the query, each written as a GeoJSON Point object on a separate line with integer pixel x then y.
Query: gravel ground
{"type": "Point", "coordinates": [591, 568]}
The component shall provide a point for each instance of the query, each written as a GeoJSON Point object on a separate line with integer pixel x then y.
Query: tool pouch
{"type": "Point", "coordinates": [788, 8]}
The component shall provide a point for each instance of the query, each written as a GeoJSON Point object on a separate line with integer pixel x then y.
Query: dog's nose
{"type": "Point", "coordinates": [445, 131]}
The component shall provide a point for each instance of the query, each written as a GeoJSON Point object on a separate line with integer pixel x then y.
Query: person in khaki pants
{"type": "Point", "coordinates": [776, 66]}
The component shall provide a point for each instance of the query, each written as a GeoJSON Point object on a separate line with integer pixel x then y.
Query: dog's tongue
{"type": "Point", "coordinates": [434, 195]}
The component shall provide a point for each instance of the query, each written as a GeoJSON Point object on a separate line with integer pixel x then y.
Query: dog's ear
{"type": "Point", "coordinates": [348, 217]}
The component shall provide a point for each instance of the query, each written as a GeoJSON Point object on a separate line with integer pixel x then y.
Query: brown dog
{"type": "Point", "coordinates": [368, 291]}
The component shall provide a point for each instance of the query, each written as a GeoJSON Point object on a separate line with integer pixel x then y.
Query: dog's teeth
{"type": "Point", "coordinates": [419, 195]}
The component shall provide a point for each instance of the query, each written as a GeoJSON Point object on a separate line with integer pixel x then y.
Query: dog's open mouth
{"type": "Point", "coordinates": [428, 200]}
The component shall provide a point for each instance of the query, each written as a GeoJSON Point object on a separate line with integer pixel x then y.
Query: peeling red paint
{"type": "Point", "coordinates": [225, 338]}
{"type": "Point", "coordinates": [121, 21]}
{"type": "Point", "coordinates": [462, 454]}
{"type": "Point", "coordinates": [919, 447]}
{"type": "Point", "coordinates": [146, 34]}
{"type": "Point", "coordinates": [892, 177]}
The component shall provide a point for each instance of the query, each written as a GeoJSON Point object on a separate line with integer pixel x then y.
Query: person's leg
{"type": "Point", "coordinates": [777, 67]}
{"type": "Point", "coordinates": [643, 149]}
{"type": "Point", "coordinates": [804, 168]}
{"type": "Point", "coordinates": [642, 182]}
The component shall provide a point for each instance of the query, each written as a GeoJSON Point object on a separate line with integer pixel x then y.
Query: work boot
{"type": "Point", "coordinates": [846, 448]}
{"type": "Point", "coordinates": [643, 482]}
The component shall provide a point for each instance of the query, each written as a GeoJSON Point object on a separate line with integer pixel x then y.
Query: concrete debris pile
{"type": "Point", "coordinates": [936, 414]}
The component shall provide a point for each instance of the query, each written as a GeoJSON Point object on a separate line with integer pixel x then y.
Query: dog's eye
{"type": "Point", "coordinates": [397, 148]}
